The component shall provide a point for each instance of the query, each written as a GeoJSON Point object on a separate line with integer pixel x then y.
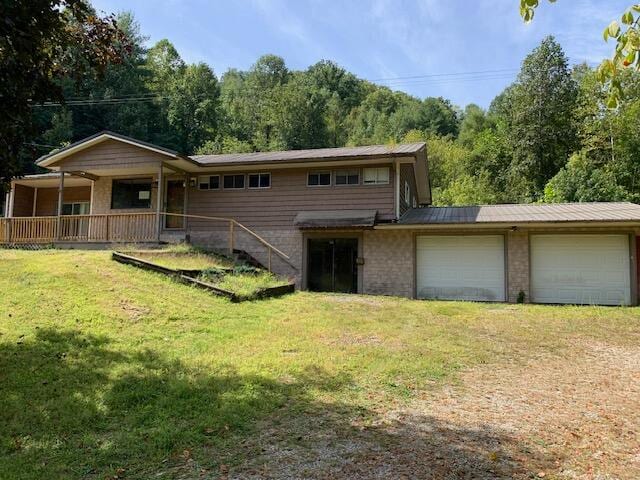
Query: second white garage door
{"type": "Point", "coordinates": [580, 269]}
{"type": "Point", "coordinates": [460, 267]}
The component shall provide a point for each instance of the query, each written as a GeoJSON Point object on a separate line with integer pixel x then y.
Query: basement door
{"type": "Point", "coordinates": [332, 265]}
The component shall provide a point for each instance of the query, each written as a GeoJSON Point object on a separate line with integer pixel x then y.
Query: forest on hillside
{"type": "Point", "coordinates": [547, 137]}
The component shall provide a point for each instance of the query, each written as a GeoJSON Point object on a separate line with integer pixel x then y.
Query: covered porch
{"type": "Point", "coordinates": [108, 189]}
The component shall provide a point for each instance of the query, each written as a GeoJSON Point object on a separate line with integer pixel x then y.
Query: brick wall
{"type": "Point", "coordinates": [102, 197]}
{"type": "Point", "coordinates": [518, 265]}
{"type": "Point", "coordinates": [388, 263]}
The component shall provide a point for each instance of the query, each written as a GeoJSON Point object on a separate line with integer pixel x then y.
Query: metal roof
{"type": "Point", "coordinates": [335, 219]}
{"type": "Point", "coordinates": [524, 213]}
{"type": "Point", "coordinates": [340, 153]}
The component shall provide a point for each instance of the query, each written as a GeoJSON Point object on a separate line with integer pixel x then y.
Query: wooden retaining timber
{"type": "Point", "coordinates": [188, 277]}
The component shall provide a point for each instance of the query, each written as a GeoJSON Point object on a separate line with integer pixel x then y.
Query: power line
{"type": "Point", "coordinates": [431, 75]}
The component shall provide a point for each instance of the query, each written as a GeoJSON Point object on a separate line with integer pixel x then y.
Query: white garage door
{"type": "Point", "coordinates": [580, 269]}
{"type": "Point", "coordinates": [460, 267]}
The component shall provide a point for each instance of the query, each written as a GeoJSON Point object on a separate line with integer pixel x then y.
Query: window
{"type": "Point", "coordinates": [407, 193]}
{"type": "Point", "coordinates": [347, 177]}
{"type": "Point", "coordinates": [210, 182]}
{"type": "Point", "coordinates": [234, 181]}
{"type": "Point", "coordinates": [319, 179]}
{"type": "Point", "coordinates": [131, 193]}
{"type": "Point", "coordinates": [76, 208]}
{"type": "Point", "coordinates": [376, 176]}
{"type": "Point", "coordinates": [259, 180]}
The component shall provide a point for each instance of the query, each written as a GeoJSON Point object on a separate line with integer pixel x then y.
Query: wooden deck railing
{"type": "Point", "coordinates": [118, 227]}
{"type": "Point", "coordinates": [121, 227]}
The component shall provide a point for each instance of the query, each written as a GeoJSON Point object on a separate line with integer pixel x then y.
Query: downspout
{"type": "Point", "coordinates": [397, 187]}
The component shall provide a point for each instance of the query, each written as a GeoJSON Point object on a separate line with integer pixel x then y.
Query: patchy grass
{"type": "Point", "coordinates": [107, 370]}
{"type": "Point", "coordinates": [182, 257]}
{"type": "Point", "coordinates": [244, 284]}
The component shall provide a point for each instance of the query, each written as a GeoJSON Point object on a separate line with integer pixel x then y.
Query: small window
{"type": "Point", "coordinates": [347, 177]}
{"type": "Point", "coordinates": [407, 193]}
{"type": "Point", "coordinates": [131, 193]}
{"type": "Point", "coordinates": [376, 176]}
{"type": "Point", "coordinates": [319, 179]}
{"type": "Point", "coordinates": [259, 180]}
{"type": "Point", "coordinates": [76, 208]}
{"type": "Point", "coordinates": [209, 182]}
{"type": "Point", "coordinates": [234, 181]}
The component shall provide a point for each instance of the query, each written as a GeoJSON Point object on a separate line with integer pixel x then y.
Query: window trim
{"type": "Point", "coordinates": [335, 177]}
{"type": "Point", "coordinates": [209, 182]}
{"type": "Point", "coordinates": [80, 202]}
{"type": "Point", "coordinates": [151, 187]}
{"type": "Point", "coordinates": [244, 181]}
{"type": "Point", "coordinates": [258, 187]}
{"type": "Point", "coordinates": [377, 182]}
{"type": "Point", "coordinates": [319, 172]}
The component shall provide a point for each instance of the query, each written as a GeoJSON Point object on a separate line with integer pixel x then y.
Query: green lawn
{"type": "Point", "coordinates": [108, 370]}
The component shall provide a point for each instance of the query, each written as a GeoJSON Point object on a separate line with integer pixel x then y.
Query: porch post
{"type": "Point", "coordinates": [160, 200]}
{"type": "Point", "coordinates": [35, 201]}
{"type": "Point", "coordinates": [60, 201]}
{"type": "Point", "coordinates": [8, 211]}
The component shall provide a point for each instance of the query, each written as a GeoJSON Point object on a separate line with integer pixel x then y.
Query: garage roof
{"type": "Point", "coordinates": [524, 213]}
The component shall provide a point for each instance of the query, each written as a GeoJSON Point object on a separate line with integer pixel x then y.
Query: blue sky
{"type": "Point", "coordinates": [379, 39]}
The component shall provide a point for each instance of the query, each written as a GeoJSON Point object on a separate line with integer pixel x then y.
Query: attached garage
{"type": "Point", "coordinates": [580, 269]}
{"type": "Point", "coordinates": [461, 267]}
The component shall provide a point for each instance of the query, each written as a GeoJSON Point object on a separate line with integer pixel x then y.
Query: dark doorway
{"type": "Point", "coordinates": [332, 265]}
{"type": "Point", "coordinates": [175, 203]}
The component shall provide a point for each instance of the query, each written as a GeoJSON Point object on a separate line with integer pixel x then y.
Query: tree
{"type": "Point", "coordinates": [37, 39]}
{"type": "Point", "coordinates": [541, 123]}
{"type": "Point", "coordinates": [474, 122]}
{"type": "Point", "coordinates": [582, 181]}
{"type": "Point", "coordinates": [626, 53]}
{"type": "Point", "coordinates": [193, 106]}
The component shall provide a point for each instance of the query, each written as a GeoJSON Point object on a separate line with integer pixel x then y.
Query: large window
{"type": "Point", "coordinates": [259, 180]}
{"type": "Point", "coordinates": [319, 179]}
{"type": "Point", "coordinates": [347, 177]}
{"type": "Point", "coordinates": [131, 193]}
{"type": "Point", "coordinates": [209, 182]}
{"type": "Point", "coordinates": [376, 176]}
{"type": "Point", "coordinates": [234, 181]}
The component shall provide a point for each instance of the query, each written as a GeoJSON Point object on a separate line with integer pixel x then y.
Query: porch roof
{"type": "Point", "coordinates": [51, 180]}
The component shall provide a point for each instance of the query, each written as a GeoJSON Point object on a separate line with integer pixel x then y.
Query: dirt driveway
{"type": "Point", "coordinates": [574, 415]}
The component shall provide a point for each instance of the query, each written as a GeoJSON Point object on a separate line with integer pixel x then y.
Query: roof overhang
{"type": "Point", "coordinates": [51, 181]}
{"type": "Point", "coordinates": [335, 219]}
{"type": "Point", "coordinates": [53, 158]}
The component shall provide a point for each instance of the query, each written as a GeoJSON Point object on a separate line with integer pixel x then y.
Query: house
{"type": "Point", "coordinates": [354, 219]}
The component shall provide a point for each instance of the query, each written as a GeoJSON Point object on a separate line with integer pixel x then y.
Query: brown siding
{"type": "Point", "coordinates": [407, 175]}
{"type": "Point", "coordinates": [289, 194]}
{"type": "Point", "coordinates": [22, 201]}
{"type": "Point", "coordinates": [111, 154]}
{"type": "Point", "coordinates": [47, 202]}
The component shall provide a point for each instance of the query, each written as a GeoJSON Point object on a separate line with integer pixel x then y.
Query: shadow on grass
{"type": "Point", "coordinates": [73, 406]}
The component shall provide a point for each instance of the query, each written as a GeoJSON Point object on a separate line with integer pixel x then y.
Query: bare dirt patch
{"type": "Point", "coordinates": [573, 415]}
{"type": "Point", "coordinates": [134, 312]}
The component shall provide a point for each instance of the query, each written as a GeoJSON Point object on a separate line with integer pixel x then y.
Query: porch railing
{"type": "Point", "coordinates": [118, 227]}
